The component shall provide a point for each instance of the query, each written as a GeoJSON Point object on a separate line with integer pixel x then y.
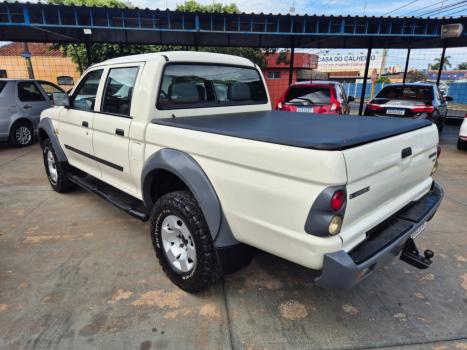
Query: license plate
{"type": "Point", "coordinates": [418, 231]}
{"type": "Point", "coordinates": [305, 109]}
{"type": "Point", "coordinates": [395, 111]}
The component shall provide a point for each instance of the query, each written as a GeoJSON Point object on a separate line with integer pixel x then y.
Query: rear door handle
{"type": "Point", "coordinates": [120, 132]}
{"type": "Point", "coordinates": [85, 124]}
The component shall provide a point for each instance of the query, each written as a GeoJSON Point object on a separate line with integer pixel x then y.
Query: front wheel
{"type": "Point", "coordinates": [182, 241]}
{"type": "Point", "coordinates": [21, 134]}
{"type": "Point", "coordinates": [56, 171]}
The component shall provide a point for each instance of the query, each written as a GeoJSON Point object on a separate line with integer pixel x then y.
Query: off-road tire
{"type": "Point", "coordinates": [13, 138]}
{"type": "Point", "coordinates": [183, 205]}
{"type": "Point", "coordinates": [62, 184]}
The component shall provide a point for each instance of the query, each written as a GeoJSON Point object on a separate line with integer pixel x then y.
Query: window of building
{"type": "Point", "coordinates": [29, 92]}
{"type": "Point", "coordinates": [84, 96]}
{"type": "Point", "coordinates": [3, 73]}
{"type": "Point", "coordinates": [119, 90]}
{"type": "Point", "coordinates": [65, 80]}
{"type": "Point", "coordinates": [274, 75]}
{"type": "Point", "coordinates": [204, 85]}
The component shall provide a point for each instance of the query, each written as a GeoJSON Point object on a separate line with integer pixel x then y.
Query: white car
{"type": "Point", "coordinates": [188, 141]}
{"type": "Point", "coordinates": [462, 141]}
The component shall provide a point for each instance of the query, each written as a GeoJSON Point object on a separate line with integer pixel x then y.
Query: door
{"type": "Point", "coordinates": [112, 127]}
{"type": "Point", "coordinates": [76, 123]}
{"type": "Point", "coordinates": [443, 109]}
{"type": "Point", "coordinates": [31, 100]}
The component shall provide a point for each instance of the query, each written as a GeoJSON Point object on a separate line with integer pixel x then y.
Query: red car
{"type": "Point", "coordinates": [326, 97]}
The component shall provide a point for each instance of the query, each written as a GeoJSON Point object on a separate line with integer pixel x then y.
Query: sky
{"type": "Point", "coordinates": [334, 7]}
{"type": "Point", "coordinates": [329, 7]}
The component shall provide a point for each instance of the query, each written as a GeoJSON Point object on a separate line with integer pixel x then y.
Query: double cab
{"type": "Point", "coordinates": [188, 141]}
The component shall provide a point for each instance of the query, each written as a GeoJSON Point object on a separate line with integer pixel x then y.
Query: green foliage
{"type": "Point", "coordinates": [462, 66]}
{"type": "Point", "coordinates": [194, 6]}
{"type": "Point", "coordinates": [446, 63]}
{"type": "Point", "coordinates": [382, 79]}
{"type": "Point", "coordinates": [104, 51]}
{"type": "Point", "coordinates": [283, 57]}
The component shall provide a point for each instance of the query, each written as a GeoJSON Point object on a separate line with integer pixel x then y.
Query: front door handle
{"type": "Point", "coordinates": [27, 106]}
{"type": "Point", "coordinates": [85, 124]}
{"type": "Point", "coordinates": [120, 132]}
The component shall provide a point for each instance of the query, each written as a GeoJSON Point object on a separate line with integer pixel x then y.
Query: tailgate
{"type": "Point", "coordinates": [383, 177]}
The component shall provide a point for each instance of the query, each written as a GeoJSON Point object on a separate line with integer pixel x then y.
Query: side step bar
{"type": "Point", "coordinates": [121, 200]}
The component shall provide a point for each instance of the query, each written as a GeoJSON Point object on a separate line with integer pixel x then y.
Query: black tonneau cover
{"type": "Point", "coordinates": [304, 130]}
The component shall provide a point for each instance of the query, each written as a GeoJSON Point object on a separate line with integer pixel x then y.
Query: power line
{"type": "Point", "coordinates": [453, 13]}
{"type": "Point", "coordinates": [426, 7]}
{"type": "Point", "coordinates": [444, 9]}
{"type": "Point", "coordinates": [401, 7]}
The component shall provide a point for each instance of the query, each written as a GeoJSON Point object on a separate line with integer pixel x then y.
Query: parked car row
{"type": "Point", "coordinates": [21, 102]}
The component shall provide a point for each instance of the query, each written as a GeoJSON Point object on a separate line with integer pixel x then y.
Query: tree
{"type": "Point", "coordinates": [383, 79]}
{"type": "Point", "coordinates": [255, 55]}
{"type": "Point", "coordinates": [446, 63]}
{"type": "Point", "coordinates": [415, 75]}
{"type": "Point", "coordinates": [104, 51]}
{"type": "Point", "coordinates": [462, 66]}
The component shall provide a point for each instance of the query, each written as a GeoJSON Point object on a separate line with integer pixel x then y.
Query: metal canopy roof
{"type": "Point", "coordinates": [59, 23]}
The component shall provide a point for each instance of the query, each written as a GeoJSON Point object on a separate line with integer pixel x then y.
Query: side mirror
{"type": "Point", "coordinates": [350, 98]}
{"type": "Point", "coordinates": [61, 99]}
{"type": "Point", "coordinates": [448, 98]}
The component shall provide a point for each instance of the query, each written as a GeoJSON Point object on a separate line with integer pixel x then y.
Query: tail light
{"type": "Point", "coordinates": [373, 106]}
{"type": "Point", "coordinates": [288, 108]}
{"type": "Point", "coordinates": [279, 104]}
{"type": "Point", "coordinates": [337, 200]}
{"type": "Point", "coordinates": [422, 109]}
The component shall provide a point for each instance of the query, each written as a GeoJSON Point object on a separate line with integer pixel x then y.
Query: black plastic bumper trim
{"type": "Point", "coordinates": [340, 271]}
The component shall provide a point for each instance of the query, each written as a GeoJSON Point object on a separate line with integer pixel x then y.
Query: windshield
{"type": "Point", "coordinates": [407, 92]}
{"type": "Point", "coordinates": [306, 95]}
{"type": "Point", "coordinates": [206, 85]}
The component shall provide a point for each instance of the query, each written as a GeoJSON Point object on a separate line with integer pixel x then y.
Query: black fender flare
{"type": "Point", "coordinates": [190, 172]}
{"type": "Point", "coordinates": [45, 125]}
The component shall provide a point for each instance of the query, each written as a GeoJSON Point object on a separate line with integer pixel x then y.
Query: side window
{"type": "Point", "coordinates": [84, 97]}
{"type": "Point", "coordinates": [119, 90]}
{"type": "Point", "coordinates": [28, 92]}
{"type": "Point", "coordinates": [49, 88]}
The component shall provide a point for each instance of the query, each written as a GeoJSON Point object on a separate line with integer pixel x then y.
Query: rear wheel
{"type": "Point", "coordinates": [57, 172]}
{"type": "Point", "coordinates": [182, 241]}
{"type": "Point", "coordinates": [21, 134]}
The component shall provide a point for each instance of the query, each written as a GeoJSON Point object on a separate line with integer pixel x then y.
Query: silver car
{"type": "Point", "coordinates": [21, 103]}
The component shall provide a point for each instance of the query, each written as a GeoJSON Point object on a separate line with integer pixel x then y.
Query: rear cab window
{"type": "Point", "coordinates": [191, 85]}
{"type": "Point", "coordinates": [118, 91]}
{"type": "Point", "coordinates": [407, 92]}
{"type": "Point", "coordinates": [308, 95]}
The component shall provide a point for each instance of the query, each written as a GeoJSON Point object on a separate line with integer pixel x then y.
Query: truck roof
{"type": "Point", "coordinates": [182, 56]}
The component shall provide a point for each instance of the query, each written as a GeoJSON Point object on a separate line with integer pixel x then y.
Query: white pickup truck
{"type": "Point", "coordinates": [188, 141]}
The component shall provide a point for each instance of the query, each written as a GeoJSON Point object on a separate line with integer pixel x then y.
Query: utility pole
{"type": "Point", "coordinates": [27, 57]}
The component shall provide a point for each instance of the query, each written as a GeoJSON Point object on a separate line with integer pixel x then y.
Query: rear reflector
{"type": "Point", "coordinates": [422, 109]}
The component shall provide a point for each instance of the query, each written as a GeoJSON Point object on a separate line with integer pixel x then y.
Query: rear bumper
{"type": "Point", "coordinates": [344, 270]}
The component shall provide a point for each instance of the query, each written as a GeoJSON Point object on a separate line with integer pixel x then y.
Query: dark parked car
{"type": "Point", "coordinates": [327, 97]}
{"type": "Point", "coordinates": [417, 100]}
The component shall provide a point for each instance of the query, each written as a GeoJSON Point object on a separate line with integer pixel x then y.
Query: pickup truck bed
{"type": "Point", "coordinates": [302, 130]}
